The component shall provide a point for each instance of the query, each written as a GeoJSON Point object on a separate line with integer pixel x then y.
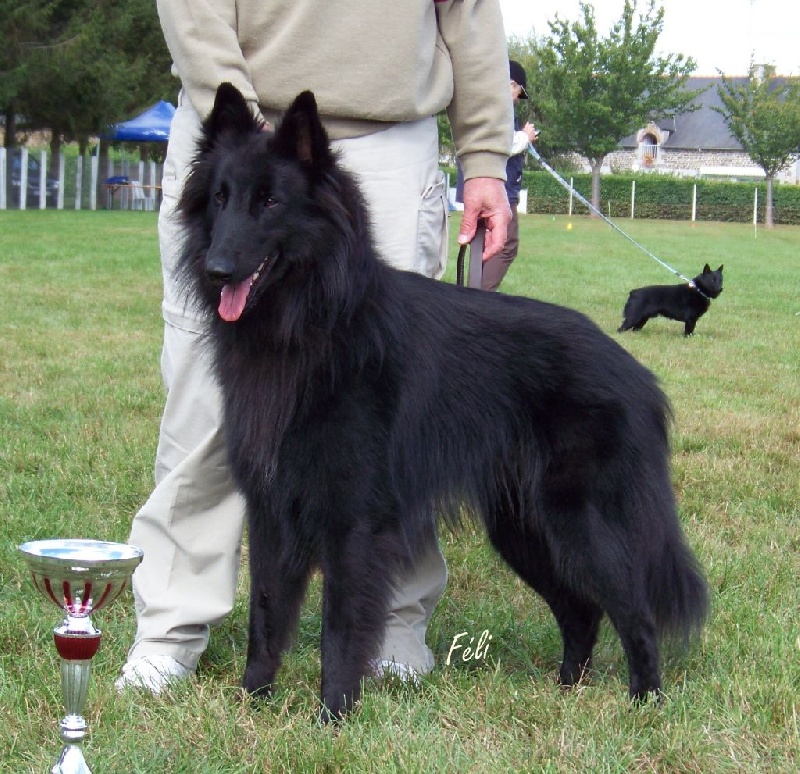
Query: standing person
{"type": "Point", "coordinates": [496, 267]}
{"type": "Point", "coordinates": [378, 94]}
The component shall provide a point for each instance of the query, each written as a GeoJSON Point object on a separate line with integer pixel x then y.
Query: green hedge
{"type": "Point", "coordinates": [666, 198]}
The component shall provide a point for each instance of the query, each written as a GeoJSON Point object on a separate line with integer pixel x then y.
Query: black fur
{"type": "Point", "coordinates": [360, 401]}
{"type": "Point", "coordinates": [677, 302]}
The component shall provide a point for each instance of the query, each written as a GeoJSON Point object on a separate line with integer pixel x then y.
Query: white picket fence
{"type": "Point", "coordinates": [127, 185]}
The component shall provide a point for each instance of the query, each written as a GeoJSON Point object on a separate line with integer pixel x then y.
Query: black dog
{"type": "Point", "coordinates": [685, 303]}
{"type": "Point", "coordinates": [360, 401]}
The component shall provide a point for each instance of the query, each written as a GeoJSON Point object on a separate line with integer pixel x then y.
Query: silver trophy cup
{"type": "Point", "coordinates": [80, 576]}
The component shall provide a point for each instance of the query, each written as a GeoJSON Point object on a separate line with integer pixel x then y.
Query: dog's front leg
{"type": "Point", "coordinates": [357, 592]}
{"type": "Point", "coordinates": [277, 590]}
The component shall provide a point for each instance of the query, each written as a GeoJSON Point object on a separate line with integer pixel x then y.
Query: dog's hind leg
{"type": "Point", "coordinates": [637, 632]}
{"type": "Point", "coordinates": [578, 618]}
{"type": "Point", "coordinates": [579, 621]}
{"type": "Point", "coordinates": [632, 315]}
{"type": "Point", "coordinates": [358, 575]}
{"type": "Point", "coordinates": [601, 562]}
{"type": "Point", "coordinates": [632, 324]}
{"type": "Point", "coordinates": [635, 315]}
{"type": "Point", "coordinates": [596, 557]}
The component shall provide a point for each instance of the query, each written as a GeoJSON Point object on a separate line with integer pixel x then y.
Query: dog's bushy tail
{"type": "Point", "coordinates": [675, 583]}
{"type": "Point", "coordinates": [678, 591]}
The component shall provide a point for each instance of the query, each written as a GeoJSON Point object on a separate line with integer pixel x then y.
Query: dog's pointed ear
{"type": "Point", "coordinates": [706, 269]}
{"type": "Point", "coordinates": [301, 135]}
{"type": "Point", "coordinates": [230, 114]}
{"type": "Point", "coordinates": [720, 267]}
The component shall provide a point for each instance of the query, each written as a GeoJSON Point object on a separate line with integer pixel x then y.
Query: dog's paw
{"type": "Point", "coordinates": [258, 681]}
{"type": "Point", "coordinates": [573, 672]}
{"type": "Point", "coordinates": [651, 698]}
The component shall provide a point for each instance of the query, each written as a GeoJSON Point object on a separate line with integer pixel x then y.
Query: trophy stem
{"type": "Point", "coordinates": [76, 641]}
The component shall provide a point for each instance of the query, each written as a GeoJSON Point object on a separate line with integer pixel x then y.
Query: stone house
{"type": "Point", "coordinates": [694, 144]}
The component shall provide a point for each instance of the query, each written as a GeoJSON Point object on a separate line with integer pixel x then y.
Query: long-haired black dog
{"type": "Point", "coordinates": [686, 303]}
{"type": "Point", "coordinates": [360, 401]}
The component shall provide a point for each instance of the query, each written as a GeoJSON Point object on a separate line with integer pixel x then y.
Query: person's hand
{"type": "Point", "coordinates": [485, 197]}
{"type": "Point", "coordinates": [530, 130]}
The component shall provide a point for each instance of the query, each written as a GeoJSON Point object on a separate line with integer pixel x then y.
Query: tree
{"type": "Point", "coordinates": [112, 62]}
{"type": "Point", "coordinates": [763, 114]}
{"type": "Point", "coordinates": [24, 26]}
{"type": "Point", "coordinates": [592, 92]}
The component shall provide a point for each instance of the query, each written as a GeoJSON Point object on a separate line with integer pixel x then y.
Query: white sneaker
{"type": "Point", "coordinates": [403, 672]}
{"type": "Point", "coordinates": [153, 673]}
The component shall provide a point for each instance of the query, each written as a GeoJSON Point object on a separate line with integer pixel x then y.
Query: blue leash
{"type": "Point", "coordinates": [613, 225]}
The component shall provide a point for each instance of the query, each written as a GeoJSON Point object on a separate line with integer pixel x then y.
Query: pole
{"type": "Point", "coordinates": [755, 215]}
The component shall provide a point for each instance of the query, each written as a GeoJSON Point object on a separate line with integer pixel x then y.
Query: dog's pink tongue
{"type": "Point", "coordinates": [232, 300]}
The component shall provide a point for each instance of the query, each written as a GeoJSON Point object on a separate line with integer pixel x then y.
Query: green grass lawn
{"type": "Point", "coordinates": [80, 402]}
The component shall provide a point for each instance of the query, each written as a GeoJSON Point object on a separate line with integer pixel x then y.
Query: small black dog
{"type": "Point", "coordinates": [686, 303]}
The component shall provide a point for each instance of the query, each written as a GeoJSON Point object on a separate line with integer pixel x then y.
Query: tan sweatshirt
{"type": "Point", "coordinates": [369, 63]}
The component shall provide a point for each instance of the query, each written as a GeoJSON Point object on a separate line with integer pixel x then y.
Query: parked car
{"type": "Point", "coordinates": [33, 185]}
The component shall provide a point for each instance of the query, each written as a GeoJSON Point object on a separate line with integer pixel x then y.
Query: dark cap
{"type": "Point", "coordinates": [517, 73]}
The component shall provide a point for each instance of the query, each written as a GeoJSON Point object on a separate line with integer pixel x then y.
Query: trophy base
{"type": "Point", "coordinates": [71, 762]}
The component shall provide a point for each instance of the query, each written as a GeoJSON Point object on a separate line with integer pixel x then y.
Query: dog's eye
{"type": "Point", "coordinates": [267, 201]}
{"type": "Point", "coordinates": [219, 197]}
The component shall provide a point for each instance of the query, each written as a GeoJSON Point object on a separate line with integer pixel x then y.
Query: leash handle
{"type": "Point", "coordinates": [475, 276]}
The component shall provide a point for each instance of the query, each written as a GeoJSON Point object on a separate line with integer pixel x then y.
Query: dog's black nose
{"type": "Point", "coordinates": [219, 270]}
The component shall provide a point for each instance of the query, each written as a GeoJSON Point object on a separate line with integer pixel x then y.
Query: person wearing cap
{"type": "Point", "coordinates": [378, 96]}
{"type": "Point", "coordinates": [496, 267]}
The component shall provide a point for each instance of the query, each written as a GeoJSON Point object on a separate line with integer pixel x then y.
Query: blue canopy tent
{"type": "Point", "coordinates": [150, 126]}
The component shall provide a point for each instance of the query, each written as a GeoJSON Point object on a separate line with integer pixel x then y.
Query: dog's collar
{"type": "Point", "coordinates": [694, 287]}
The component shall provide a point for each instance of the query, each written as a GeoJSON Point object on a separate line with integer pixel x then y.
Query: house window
{"type": "Point", "coordinates": [648, 149]}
